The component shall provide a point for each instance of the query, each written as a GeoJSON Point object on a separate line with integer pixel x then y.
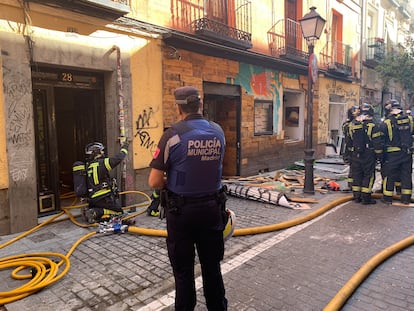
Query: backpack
{"type": "Point", "coordinates": [403, 125]}
{"type": "Point", "coordinates": [80, 179]}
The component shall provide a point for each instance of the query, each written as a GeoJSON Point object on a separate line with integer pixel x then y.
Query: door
{"type": "Point", "coordinates": [293, 33]}
{"type": "Point", "coordinates": [337, 116]}
{"type": "Point", "coordinates": [222, 105]}
{"type": "Point", "coordinates": [67, 115]}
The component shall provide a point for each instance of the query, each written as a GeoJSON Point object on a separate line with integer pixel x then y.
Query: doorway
{"type": "Point", "coordinates": [222, 104]}
{"type": "Point", "coordinates": [337, 117]}
{"type": "Point", "coordinates": [67, 114]}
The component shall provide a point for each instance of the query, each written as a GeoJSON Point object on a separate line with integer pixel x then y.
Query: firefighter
{"type": "Point", "coordinates": [365, 139]}
{"type": "Point", "coordinates": [103, 195]}
{"type": "Point", "coordinates": [153, 208]}
{"type": "Point", "coordinates": [353, 112]}
{"type": "Point", "coordinates": [397, 129]}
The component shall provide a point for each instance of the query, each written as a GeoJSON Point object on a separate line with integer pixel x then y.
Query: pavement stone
{"type": "Point", "coordinates": [299, 268]}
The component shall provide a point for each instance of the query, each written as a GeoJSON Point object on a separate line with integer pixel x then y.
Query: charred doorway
{"type": "Point", "coordinates": [69, 112]}
{"type": "Point", "coordinates": [222, 104]}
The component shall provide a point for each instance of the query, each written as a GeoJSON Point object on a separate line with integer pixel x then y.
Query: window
{"type": "Point", "coordinates": [263, 117]}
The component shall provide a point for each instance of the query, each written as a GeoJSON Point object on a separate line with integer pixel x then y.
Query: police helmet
{"type": "Point", "coordinates": [367, 109]}
{"type": "Point", "coordinates": [231, 224]}
{"type": "Point", "coordinates": [94, 150]}
{"type": "Point", "coordinates": [353, 112]}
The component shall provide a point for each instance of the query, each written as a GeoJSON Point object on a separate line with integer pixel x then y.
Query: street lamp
{"type": "Point", "coordinates": [312, 25]}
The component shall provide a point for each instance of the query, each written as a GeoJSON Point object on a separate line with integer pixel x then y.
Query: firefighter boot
{"type": "Point", "coordinates": [367, 199]}
{"type": "Point", "coordinates": [405, 199]}
{"type": "Point", "coordinates": [357, 196]}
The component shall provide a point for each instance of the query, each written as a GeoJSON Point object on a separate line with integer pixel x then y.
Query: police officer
{"type": "Point", "coordinates": [191, 153]}
{"type": "Point", "coordinates": [365, 137]}
{"type": "Point", "coordinates": [352, 113]}
{"type": "Point", "coordinates": [398, 130]}
{"type": "Point", "coordinates": [102, 192]}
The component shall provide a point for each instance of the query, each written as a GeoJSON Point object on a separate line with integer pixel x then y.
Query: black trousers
{"type": "Point", "coordinates": [197, 226]}
{"type": "Point", "coordinates": [398, 167]}
{"type": "Point", "coordinates": [363, 174]}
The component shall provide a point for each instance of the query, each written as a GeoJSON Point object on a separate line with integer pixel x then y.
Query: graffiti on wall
{"type": "Point", "coordinates": [146, 121]}
{"type": "Point", "coordinates": [19, 131]}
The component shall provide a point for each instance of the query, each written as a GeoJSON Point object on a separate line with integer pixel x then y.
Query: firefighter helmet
{"type": "Point", "coordinates": [367, 109]}
{"type": "Point", "coordinates": [94, 150]}
{"type": "Point", "coordinates": [353, 112]}
{"type": "Point", "coordinates": [231, 223]}
{"type": "Point", "coordinates": [387, 108]}
{"type": "Point", "coordinates": [395, 107]}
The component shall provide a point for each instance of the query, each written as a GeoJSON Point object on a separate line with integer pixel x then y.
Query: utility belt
{"type": "Point", "coordinates": [172, 201]}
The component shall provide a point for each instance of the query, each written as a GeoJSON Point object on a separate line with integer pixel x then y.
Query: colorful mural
{"type": "Point", "coordinates": [262, 84]}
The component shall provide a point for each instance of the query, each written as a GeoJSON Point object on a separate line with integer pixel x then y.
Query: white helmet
{"type": "Point", "coordinates": [231, 224]}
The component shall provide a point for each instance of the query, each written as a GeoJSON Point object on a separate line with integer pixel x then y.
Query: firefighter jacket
{"type": "Point", "coordinates": [398, 130]}
{"type": "Point", "coordinates": [99, 180]}
{"type": "Point", "coordinates": [365, 135]}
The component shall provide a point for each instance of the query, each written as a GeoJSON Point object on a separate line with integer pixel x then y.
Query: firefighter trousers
{"type": "Point", "coordinates": [398, 167]}
{"type": "Point", "coordinates": [363, 175]}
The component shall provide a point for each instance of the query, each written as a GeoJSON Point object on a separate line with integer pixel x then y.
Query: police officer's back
{"type": "Point", "coordinates": [191, 153]}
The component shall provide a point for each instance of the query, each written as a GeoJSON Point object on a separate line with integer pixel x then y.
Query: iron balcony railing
{"type": "Point", "coordinates": [286, 41]}
{"type": "Point", "coordinates": [336, 57]}
{"type": "Point", "coordinates": [375, 51]}
{"type": "Point", "coordinates": [224, 22]}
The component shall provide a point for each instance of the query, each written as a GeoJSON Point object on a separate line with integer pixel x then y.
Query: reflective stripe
{"type": "Point", "coordinates": [389, 127]}
{"type": "Point", "coordinates": [94, 173]}
{"type": "Point", "coordinates": [393, 149]}
{"type": "Point", "coordinates": [406, 191]}
{"type": "Point", "coordinates": [78, 168]}
{"type": "Point", "coordinates": [100, 193]}
{"type": "Point", "coordinates": [107, 164]}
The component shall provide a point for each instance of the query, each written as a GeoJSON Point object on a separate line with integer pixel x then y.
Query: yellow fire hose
{"type": "Point", "coordinates": [45, 271]}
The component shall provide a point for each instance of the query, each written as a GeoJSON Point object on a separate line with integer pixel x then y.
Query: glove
{"type": "Point", "coordinates": [125, 145]}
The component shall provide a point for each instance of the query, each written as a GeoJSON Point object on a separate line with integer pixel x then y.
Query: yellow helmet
{"type": "Point", "coordinates": [231, 224]}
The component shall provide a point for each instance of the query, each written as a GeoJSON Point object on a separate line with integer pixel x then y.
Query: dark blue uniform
{"type": "Point", "coordinates": [398, 157]}
{"type": "Point", "coordinates": [191, 153]}
{"type": "Point", "coordinates": [101, 195]}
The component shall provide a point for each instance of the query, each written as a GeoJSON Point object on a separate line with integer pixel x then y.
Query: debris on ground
{"type": "Point", "coordinates": [282, 186]}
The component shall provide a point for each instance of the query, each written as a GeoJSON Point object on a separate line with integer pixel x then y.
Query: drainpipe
{"type": "Point", "coordinates": [121, 115]}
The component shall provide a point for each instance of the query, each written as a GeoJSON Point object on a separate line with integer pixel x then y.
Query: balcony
{"type": "Point", "coordinates": [336, 58]}
{"type": "Point", "coordinates": [224, 22]}
{"type": "Point", "coordinates": [375, 52]}
{"type": "Point", "coordinates": [104, 9]}
{"type": "Point", "coordinates": [286, 41]}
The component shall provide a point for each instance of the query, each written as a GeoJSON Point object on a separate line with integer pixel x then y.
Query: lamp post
{"type": "Point", "coordinates": [312, 25]}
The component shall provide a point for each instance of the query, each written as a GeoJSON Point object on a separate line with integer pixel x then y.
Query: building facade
{"type": "Point", "coordinates": [78, 71]}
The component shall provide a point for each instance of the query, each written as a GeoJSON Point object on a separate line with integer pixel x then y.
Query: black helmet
{"type": "Point", "coordinates": [353, 112]}
{"type": "Point", "coordinates": [395, 107]}
{"type": "Point", "coordinates": [387, 108]}
{"type": "Point", "coordinates": [94, 150]}
{"type": "Point", "coordinates": [367, 109]}
{"type": "Point", "coordinates": [395, 104]}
